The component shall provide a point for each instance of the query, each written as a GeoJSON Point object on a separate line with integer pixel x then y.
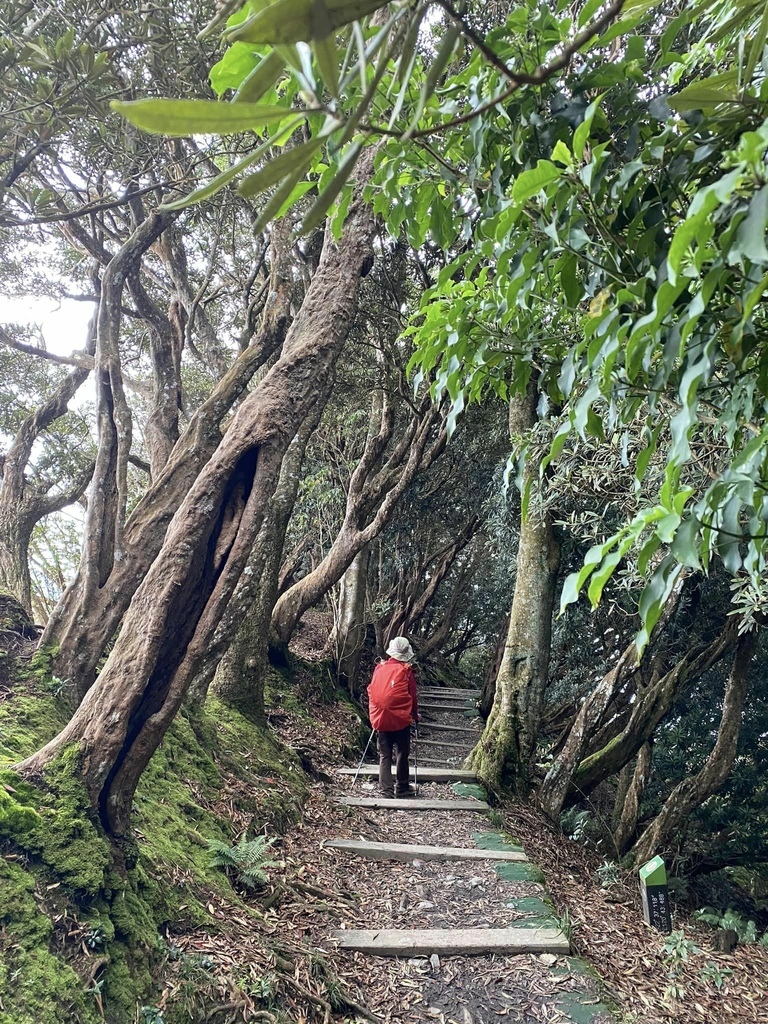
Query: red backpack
{"type": "Point", "coordinates": [390, 705]}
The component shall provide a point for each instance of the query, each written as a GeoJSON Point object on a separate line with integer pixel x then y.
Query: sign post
{"type": "Point", "coordinates": [653, 887]}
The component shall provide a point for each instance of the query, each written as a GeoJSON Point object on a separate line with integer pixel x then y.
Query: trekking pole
{"type": "Point", "coordinates": [363, 757]}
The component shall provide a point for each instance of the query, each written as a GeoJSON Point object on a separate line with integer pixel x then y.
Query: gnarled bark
{"type": "Point", "coordinates": [86, 619]}
{"type": "Point", "coordinates": [648, 710]}
{"type": "Point", "coordinates": [350, 627]}
{"type": "Point", "coordinates": [628, 808]}
{"type": "Point", "coordinates": [177, 608]}
{"type": "Point", "coordinates": [692, 792]}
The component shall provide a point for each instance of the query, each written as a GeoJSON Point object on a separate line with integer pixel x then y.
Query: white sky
{"type": "Point", "coordinates": [63, 323]}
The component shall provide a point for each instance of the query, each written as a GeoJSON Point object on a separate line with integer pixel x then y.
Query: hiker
{"type": "Point", "coordinates": [393, 708]}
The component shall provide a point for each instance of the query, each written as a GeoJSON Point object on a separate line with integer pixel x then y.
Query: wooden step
{"type": "Point", "coordinates": [425, 774]}
{"type": "Point", "coordinates": [435, 727]}
{"type": "Point", "coordinates": [448, 692]}
{"type": "Point", "coordinates": [456, 942]}
{"type": "Point", "coordinates": [405, 852]}
{"type": "Point", "coordinates": [445, 707]}
{"type": "Point", "coordinates": [466, 747]}
{"type": "Point", "coordinates": [412, 803]}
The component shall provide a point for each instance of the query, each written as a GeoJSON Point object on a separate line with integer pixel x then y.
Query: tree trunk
{"type": "Point", "coordinates": [649, 708]}
{"type": "Point", "coordinates": [371, 500]}
{"type": "Point", "coordinates": [491, 675]}
{"type": "Point", "coordinates": [692, 792]}
{"type": "Point", "coordinates": [21, 505]}
{"type": "Point", "coordinates": [176, 610]}
{"type": "Point", "coordinates": [591, 715]}
{"type": "Point", "coordinates": [240, 668]}
{"type": "Point", "coordinates": [85, 620]}
{"type": "Point", "coordinates": [350, 629]}
{"type": "Point", "coordinates": [504, 753]}
{"type": "Point", "coordinates": [628, 809]}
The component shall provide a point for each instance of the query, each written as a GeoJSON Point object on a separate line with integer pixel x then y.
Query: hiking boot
{"type": "Point", "coordinates": [388, 796]}
{"type": "Point", "coordinates": [410, 791]}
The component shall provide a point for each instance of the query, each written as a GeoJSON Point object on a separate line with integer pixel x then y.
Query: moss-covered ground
{"type": "Point", "coordinates": [83, 932]}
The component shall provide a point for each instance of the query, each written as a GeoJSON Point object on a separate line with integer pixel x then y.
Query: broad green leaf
{"type": "Point", "coordinates": [293, 21]}
{"type": "Point", "coordinates": [237, 63]}
{"type": "Point", "coordinates": [280, 166]}
{"type": "Point", "coordinates": [328, 196]}
{"type": "Point", "coordinates": [531, 182]}
{"type": "Point", "coordinates": [685, 546]}
{"type": "Point", "coordinates": [198, 117]}
{"type": "Point", "coordinates": [261, 78]}
{"type": "Point", "coordinates": [706, 93]}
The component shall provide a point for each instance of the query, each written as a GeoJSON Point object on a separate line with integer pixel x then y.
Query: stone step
{"type": "Point", "coordinates": [425, 774]}
{"type": "Point", "coordinates": [456, 942]}
{"type": "Point", "coordinates": [411, 803]}
{"type": "Point", "coordinates": [405, 852]}
{"type": "Point", "coordinates": [448, 728]}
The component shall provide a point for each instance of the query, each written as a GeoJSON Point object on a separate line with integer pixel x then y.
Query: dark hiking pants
{"type": "Point", "coordinates": [400, 741]}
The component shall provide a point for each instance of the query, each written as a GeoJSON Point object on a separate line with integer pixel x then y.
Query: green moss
{"type": "Point", "coordinates": [207, 764]}
{"type": "Point", "coordinates": [36, 986]}
{"type": "Point", "coordinates": [26, 723]}
{"type": "Point", "coordinates": [586, 766]}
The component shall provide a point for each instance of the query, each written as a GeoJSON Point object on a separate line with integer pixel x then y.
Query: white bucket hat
{"type": "Point", "coordinates": [400, 649]}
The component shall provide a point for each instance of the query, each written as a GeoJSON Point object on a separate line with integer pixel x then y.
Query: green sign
{"type": "Point", "coordinates": [653, 887]}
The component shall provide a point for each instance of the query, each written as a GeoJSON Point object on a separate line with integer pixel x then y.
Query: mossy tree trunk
{"type": "Point", "coordinates": [692, 792]}
{"type": "Point", "coordinates": [503, 755]}
{"type": "Point", "coordinates": [650, 707]}
{"type": "Point", "coordinates": [175, 612]}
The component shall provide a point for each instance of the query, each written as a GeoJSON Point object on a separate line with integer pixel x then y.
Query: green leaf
{"type": "Point", "coordinates": [205, 191]}
{"type": "Point", "coordinates": [280, 166]}
{"type": "Point", "coordinates": [293, 21]}
{"type": "Point", "coordinates": [198, 117]}
{"type": "Point", "coordinates": [531, 182]}
{"type": "Point", "coordinates": [685, 546]}
{"type": "Point", "coordinates": [284, 196]}
{"type": "Point", "coordinates": [569, 280]}
{"type": "Point", "coordinates": [327, 57]}
{"type": "Point", "coordinates": [750, 236]}
{"type": "Point", "coordinates": [327, 197]}
{"type": "Point", "coordinates": [708, 92]}
{"type": "Point", "coordinates": [561, 154]}
{"type": "Point", "coordinates": [237, 63]}
{"type": "Point", "coordinates": [262, 78]}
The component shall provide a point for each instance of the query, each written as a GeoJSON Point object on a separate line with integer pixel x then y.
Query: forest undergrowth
{"type": "Point", "coordinates": [222, 910]}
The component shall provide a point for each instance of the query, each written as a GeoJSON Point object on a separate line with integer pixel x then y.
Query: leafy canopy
{"type": "Point", "coordinates": [596, 183]}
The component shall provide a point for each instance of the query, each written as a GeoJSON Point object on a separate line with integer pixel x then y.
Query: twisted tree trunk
{"type": "Point", "coordinates": [692, 792]}
{"type": "Point", "coordinates": [176, 610]}
{"type": "Point", "coordinates": [87, 617]}
{"type": "Point", "coordinates": [628, 809]}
